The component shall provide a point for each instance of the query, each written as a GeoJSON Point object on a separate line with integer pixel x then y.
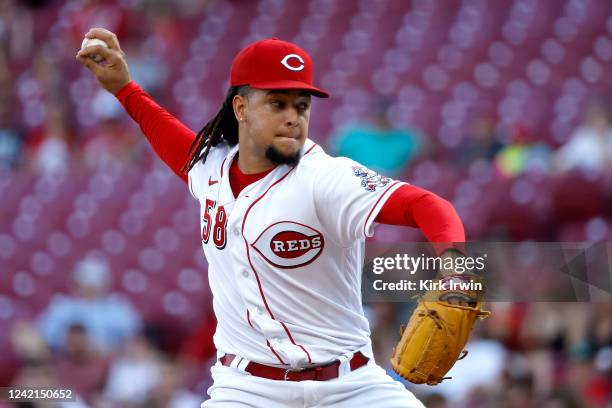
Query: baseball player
{"type": "Point", "coordinates": [283, 227]}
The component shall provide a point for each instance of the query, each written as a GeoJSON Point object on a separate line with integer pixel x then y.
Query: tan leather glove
{"type": "Point", "coordinates": [437, 332]}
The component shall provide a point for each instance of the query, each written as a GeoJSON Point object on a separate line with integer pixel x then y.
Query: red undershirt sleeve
{"type": "Point", "coordinates": [415, 207]}
{"type": "Point", "coordinates": [170, 139]}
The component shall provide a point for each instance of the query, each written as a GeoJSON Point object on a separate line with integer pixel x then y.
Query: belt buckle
{"type": "Point", "coordinates": [293, 370]}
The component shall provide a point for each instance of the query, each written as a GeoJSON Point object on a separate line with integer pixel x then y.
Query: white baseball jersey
{"type": "Point", "coordinates": [285, 256]}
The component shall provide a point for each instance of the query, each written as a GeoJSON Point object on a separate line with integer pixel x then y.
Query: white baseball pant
{"type": "Point", "coordinates": [368, 386]}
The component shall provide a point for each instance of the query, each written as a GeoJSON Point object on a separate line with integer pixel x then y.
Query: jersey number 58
{"type": "Point", "coordinates": [219, 227]}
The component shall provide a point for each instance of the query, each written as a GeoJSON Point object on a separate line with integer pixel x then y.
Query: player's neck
{"type": "Point", "coordinates": [252, 164]}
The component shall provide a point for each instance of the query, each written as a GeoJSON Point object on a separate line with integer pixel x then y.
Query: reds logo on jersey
{"type": "Point", "coordinates": [289, 244]}
{"type": "Point", "coordinates": [369, 179]}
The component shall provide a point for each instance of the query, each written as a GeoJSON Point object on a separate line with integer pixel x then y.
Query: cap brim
{"type": "Point", "coordinates": [292, 85]}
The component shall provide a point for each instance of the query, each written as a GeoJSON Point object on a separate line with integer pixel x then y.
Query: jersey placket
{"type": "Point", "coordinates": [263, 315]}
{"type": "Point", "coordinates": [243, 274]}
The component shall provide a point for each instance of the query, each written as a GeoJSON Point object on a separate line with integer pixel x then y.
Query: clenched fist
{"type": "Point", "coordinates": [112, 73]}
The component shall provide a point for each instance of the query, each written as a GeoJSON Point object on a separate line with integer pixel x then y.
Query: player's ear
{"type": "Point", "coordinates": [239, 105]}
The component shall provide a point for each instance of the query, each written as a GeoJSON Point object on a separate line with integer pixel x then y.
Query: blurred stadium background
{"type": "Point", "coordinates": [499, 106]}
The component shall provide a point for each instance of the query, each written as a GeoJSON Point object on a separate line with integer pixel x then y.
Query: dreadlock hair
{"type": "Point", "coordinates": [223, 126]}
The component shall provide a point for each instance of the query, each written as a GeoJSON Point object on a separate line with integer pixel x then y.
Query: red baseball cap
{"type": "Point", "coordinates": [274, 64]}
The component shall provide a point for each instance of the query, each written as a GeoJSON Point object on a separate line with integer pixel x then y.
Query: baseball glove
{"type": "Point", "coordinates": [437, 332]}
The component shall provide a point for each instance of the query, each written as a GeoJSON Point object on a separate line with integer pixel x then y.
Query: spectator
{"type": "Point", "coordinates": [42, 374]}
{"type": "Point", "coordinates": [10, 129]}
{"type": "Point", "coordinates": [518, 393]}
{"type": "Point", "coordinates": [27, 344]}
{"type": "Point", "coordinates": [10, 145]}
{"type": "Point", "coordinates": [17, 32]}
{"type": "Point", "coordinates": [110, 143]}
{"type": "Point", "coordinates": [378, 145]}
{"type": "Point", "coordinates": [80, 367]}
{"type": "Point", "coordinates": [169, 391]}
{"type": "Point", "coordinates": [483, 141]}
{"type": "Point", "coordinates": [561, 399]}
{"type": "Point", "coordinates": [198, 347]}
{"type": "Point", "coordinates": [526, 153]}
{"type": "Point", "coordinates": [490, 358]}
{"type": "Point", "coordinates": [147, 67]}
{"type": "Point", "coordinates": [134, 375]}
{"type": "Point", "coordinates": [53, 153]}
{"type": "Point", "coordinates": [108, 318]}
{"type": "Point", "coordinates": [590, 146]}
{"type": "Point", "coordinates": [98, 13]}
{"type": "Point", "coordinates": [384, 323]}
{"type": "Point", "coordinates": [435, 400]}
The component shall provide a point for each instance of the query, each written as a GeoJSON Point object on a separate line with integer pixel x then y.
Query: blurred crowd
{"type": "Point", "coordinates": [57, 116]}
{"type": "Point", "coordinates": [54, 119]}
{"type": "Point", "coordinates": [94, 342]}
{"type": "Point", "coordinates": [525, 355]}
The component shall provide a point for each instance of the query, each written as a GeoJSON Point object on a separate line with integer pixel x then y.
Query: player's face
{"type": "Point", "coordinates": [276, 123]}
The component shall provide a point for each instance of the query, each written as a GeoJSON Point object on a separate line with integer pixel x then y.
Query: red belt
{"type": "Point", "coordinates": [315, 373]}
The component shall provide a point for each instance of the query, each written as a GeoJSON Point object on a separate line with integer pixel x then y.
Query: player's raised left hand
{"type": "Point", "coordinates": [112, 73]}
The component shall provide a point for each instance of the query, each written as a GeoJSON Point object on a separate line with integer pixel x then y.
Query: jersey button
{"type": "Point", "coordinates": [245, 273]}
{"type": "Point", "coordinates": [236, 232]}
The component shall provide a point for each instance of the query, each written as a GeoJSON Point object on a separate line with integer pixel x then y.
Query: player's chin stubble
{"type": "Point", "coordinates": [278, 157]}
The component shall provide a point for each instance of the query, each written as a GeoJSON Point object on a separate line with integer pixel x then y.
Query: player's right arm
{"type": "Point", "coordinates": [170, 139]}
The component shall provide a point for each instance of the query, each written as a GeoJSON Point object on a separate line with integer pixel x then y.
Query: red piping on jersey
{"type": "Point", "coordinates": [275, 353]}
{"type": "Point", "coordinates": [293, 341]}
{"type": "Point", "coordinates": [249, 319]}
{"type": "Point", "coordinates": [374, 206]}
{"type": "Point", "coordinates": [311, 147]}
{"type": "Point", "coordinates": [263, 297]}
{"type": "Point", "coordinates": [269, 345]}
{"type": "Point", "coordinates": [221, 170]}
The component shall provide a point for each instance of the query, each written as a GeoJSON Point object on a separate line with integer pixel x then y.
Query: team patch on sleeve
{"type": "Point", "coordinates": [370, 180]}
